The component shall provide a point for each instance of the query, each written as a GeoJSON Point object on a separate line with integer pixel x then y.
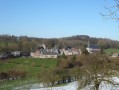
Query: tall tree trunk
{"type": "Point", "coordinates": [97, 86]}
{"type": "Point", "coordinates": [69, 79]}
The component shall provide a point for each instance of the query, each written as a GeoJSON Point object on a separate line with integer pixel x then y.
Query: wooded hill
{"type": "Point", "coordinates": [25, 43]}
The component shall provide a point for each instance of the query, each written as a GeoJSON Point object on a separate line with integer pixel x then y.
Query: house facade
{"type": "Point", "coordinates": [70, 51]}
{"type": "Point", "coordinates": [16, 53]}
{"type": "Point", "coordinates": [45, 53]}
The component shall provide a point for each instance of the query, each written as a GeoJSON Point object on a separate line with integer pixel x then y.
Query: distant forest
{"type": "Point", "coordinates": [10, 43]}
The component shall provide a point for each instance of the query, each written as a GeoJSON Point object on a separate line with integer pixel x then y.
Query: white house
{"type": "Point", "coordinates": [16, 53]}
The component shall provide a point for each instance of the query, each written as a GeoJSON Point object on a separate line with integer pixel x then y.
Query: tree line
{"type": "Point", "coordinates": [27, 44]}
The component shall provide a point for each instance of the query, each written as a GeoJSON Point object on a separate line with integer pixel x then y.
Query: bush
{"type": "Point", "coordinates": [4, 75]}
{"type": "Point", "coordinates": [14, 73]}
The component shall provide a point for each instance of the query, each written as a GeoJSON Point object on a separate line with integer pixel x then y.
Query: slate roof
{"type": "Point", "coordinates": [94, 47]}
{"type": "Point", "coordinates": [45, 52]}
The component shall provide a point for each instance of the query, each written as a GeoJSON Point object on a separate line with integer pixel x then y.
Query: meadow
{"type": "Point", "coordinates": [32, 66]}
{"type": "Point", "coordinates": [111, 51]}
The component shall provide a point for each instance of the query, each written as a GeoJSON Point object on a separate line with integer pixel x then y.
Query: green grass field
{"type": "Point", "coordinates": [32, 66]}
{"type": "Point", "coordinates": [111, 50]}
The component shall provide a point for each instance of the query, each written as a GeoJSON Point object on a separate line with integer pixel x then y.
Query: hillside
{"type": "Point", "coordinates": [25, 43]}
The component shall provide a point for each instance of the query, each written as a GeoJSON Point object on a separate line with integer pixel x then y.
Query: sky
{"type": "Point", "coordinates": [56, 18]}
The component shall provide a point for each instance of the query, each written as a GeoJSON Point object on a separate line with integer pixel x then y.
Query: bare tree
{"type": "Point", "coordinates": [112, 11]}
{"type": "Point", "coordinates": [48, 77]}
{"type": "Point", "coordinates": [95, 70]}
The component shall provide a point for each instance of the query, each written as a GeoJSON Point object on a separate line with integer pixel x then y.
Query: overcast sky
{"type": "Point", "coordinates": [56, 18]}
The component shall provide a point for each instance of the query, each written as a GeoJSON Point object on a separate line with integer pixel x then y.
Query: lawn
{"type": "Point", "coordinates": [31, 65]}
{"type": "Point", "coordinates": [111, 50]}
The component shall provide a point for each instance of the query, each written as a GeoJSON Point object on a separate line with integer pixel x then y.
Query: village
{"type": "Point", "coordinates": [43, 52]}
{"type": "Point", "coordinates": [55, 52]}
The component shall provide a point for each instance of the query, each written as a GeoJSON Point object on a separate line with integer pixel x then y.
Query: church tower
{"type": "Point", "coordinates": [88, 44]}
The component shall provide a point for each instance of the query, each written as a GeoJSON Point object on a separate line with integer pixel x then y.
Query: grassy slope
{"type": "Point", "coordinates": [32, 65]}
{"type": "Point", "coordinates": [111, 50]}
